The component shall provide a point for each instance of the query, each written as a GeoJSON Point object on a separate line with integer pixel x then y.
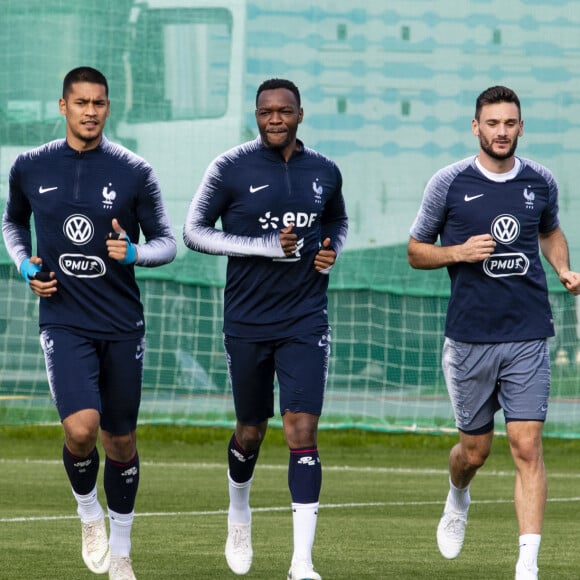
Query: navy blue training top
{"type": "Point", "coordinates": [74, 196]}
{"type": "Point", "coordinates": [505, 297]}
{"type": "Point", "coordinates": [256, 193]}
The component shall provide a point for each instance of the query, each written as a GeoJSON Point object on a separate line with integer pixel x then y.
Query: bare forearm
{"type": "Point", "coordinates": [430, 256]}
{"type": "Point", "coordinates": [427, 256]}
{"type": "Point", "coordinates": [555, 250]}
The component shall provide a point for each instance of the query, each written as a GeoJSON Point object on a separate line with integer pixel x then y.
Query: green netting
{"type": "Point", "coordinates": [388, 91]}
{"type": "Point", "coordinates": [385, 369]}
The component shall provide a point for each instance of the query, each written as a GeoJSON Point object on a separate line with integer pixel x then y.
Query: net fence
{"type": "Point", "coordinates": [385, 365]}
{"type": "Point", "coordinates": [388, 92]}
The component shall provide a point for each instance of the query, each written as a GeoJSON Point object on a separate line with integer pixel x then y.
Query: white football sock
{"type": "Point", "coordinates": [458, 499]}
{"type": "Point", "coordinates": [239, 509]}
{"type": "Point", "coordinates": [304, 516]}
{"type": "Point", "coordinates": [529, 548]}
{"type": "Point", "coordinates": [88, 506]}
{"type": "Point", "coordinates": [120, 533]}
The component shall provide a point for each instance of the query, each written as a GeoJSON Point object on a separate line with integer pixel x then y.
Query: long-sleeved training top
{"type": "Point", "coordinates": [73, 197]}
{"type": "Point", "coordinates": [256, 193]}
{"type": "Point", "coordinates": [505, 297]}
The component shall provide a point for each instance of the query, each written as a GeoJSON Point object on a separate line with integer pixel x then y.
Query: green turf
{"type": "Point", "coordinates": [381, 500]}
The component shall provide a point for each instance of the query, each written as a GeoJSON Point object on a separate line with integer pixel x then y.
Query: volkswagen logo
{"type": "Point", "coordinates": [505, 228]}
{"type": "Point", "coordinates": [78, 229]}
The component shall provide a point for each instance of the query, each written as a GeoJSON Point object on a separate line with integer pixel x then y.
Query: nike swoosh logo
{"type": "Point", "coordinates": [254, 189]}
{"type": "Point", "coordinates": [139, 355]}
{"type": "Point", "coordinates": [472, 197]}
{"type": "Point", "coordinates": [46, 189]}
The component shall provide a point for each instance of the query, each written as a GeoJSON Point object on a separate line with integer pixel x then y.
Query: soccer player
{"type": "Point", "coordinates": [493, 212]}
{"type": "Point", "coordinates": [90, 199]}
{"type": "Point", "coordinates": [283, 225]}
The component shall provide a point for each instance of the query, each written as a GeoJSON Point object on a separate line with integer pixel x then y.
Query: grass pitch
{"type": "Point", "coordinates": [381, 501]}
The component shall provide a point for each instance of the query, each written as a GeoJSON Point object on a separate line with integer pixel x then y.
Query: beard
{"type": "Point", "coordinates": [487, 147]}
{"type": "Point", "coordinates": [277, 145]}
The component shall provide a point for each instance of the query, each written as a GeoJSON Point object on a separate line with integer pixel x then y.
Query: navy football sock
{"type": "Point", "coordinates": [121, 482]}
{"type": "Point", "coordinates": [241, 463]}
{"type": "Point", "coordinates": [82, 471]}
{"type": "Point", "coordinates": [304, 475]}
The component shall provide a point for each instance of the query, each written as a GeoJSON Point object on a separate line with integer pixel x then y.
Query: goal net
{"type": "Point", "coordinates": [388, 91]}
{"type": "Point", "coordinates": [387, 331]}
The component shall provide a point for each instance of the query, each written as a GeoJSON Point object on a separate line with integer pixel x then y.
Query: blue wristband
{"type": "Point", "coordinates": [28, 270]}
{"type": "Point", "coordinates": [131, 254]}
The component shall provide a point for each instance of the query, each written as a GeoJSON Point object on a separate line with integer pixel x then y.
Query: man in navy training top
{"type": "Point", "coordinates": [283, 225]}
{"type": "Point", "coordinates": [493, 212]}
{"type": "Point", "coordinates": [91, 199]}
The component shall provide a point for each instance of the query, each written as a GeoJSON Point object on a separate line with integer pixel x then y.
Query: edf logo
{"type": "Point", "coordinates": [300, 219]}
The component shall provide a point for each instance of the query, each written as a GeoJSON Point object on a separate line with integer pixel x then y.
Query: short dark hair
{"type": "Point", "coordinates": [278, 84]}
{"type": "Point", "coordinates": [83, 74]}
{"type": "Point", "coordinates": [497, 94]}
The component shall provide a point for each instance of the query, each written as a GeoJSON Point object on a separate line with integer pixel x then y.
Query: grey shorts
{"type": "Point", "coordinates": [485, 377]}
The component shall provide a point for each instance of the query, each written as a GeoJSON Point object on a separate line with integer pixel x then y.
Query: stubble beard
{"type": "Point", "coordinates": [487, 147]}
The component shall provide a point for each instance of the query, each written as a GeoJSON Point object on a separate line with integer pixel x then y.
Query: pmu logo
{"type": "Point", "coordinates": [78, 229]}
{"type": "Point", "coordinates": [505, 228]}
{"type": "Point", "coordinates": [81, 266]}
{"type": "Point", "coordinates": [503, 265]}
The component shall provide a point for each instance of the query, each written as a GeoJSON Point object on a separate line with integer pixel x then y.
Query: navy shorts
{"type": "Point", "coordinates": [88, 373]}
{"type": "Point", "coordinates": [485, 377]}
{"type": "Point", "coordinates": [300, 364]}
